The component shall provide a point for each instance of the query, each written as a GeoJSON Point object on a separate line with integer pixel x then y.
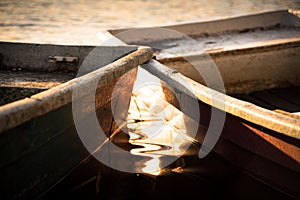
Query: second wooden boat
{"type": "Point", "coordinates": [257, 58]}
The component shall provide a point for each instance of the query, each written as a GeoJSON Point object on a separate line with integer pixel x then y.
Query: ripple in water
{"type": "Point", "coordinates": [157, 128]}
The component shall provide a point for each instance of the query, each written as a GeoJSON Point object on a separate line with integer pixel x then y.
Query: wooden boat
{"type": "Point", "coordinates": [39, 142]}
{"type": "Point", "coordinates": [257, 57]}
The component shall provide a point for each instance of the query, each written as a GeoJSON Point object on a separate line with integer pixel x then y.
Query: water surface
{"type": "Point", "coordinates": [78, 21]}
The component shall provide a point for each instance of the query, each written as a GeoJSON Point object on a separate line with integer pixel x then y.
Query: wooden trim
{"type": "Point", "coordinates": [18, 112]}
{"type": "Point", "coordinates": [278, 122]}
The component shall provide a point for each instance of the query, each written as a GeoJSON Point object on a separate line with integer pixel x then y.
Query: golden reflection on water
{"type": "Point", "coordinates": [156, 125]}
{"type": "Point", "coordinates": [78, 22]}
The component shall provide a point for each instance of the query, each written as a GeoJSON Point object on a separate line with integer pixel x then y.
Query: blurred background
{"type": "Point", "coordinates": [79, 21]}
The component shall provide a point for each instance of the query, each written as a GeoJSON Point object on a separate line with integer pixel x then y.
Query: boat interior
{"type": "Point", "coordinates": [278, 99]}
{"type": "Point", "coordinates": [18, 84]}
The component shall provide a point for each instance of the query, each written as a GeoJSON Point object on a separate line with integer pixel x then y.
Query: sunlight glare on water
{"type": "Point", "coordinates": [154, 124]}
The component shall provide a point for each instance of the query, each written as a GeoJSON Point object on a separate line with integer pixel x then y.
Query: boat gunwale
{"type": "Point", "coordinates": [275, 121]}
{"type": "Point", "coordinates": [23, 110]}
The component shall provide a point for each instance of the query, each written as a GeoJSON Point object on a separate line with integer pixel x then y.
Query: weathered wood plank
{"type": "Point", "coordinates": [21, 111]}
{"type": "Point", "coordinates": [285, 125]}
{"type": "Point", "coordinates": [268, 147]}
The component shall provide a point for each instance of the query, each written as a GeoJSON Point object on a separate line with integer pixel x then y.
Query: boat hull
{"type": "Point", "coordinates": [39, 152]}
{"type": "Point", "coordinates": [251, 53]}
{"type": "Point", "coordinates": [262, 153]}
{"type": "Point", "coordinates": [267, 155]}
{"type": "Point", "coordinates": [39, 139]}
